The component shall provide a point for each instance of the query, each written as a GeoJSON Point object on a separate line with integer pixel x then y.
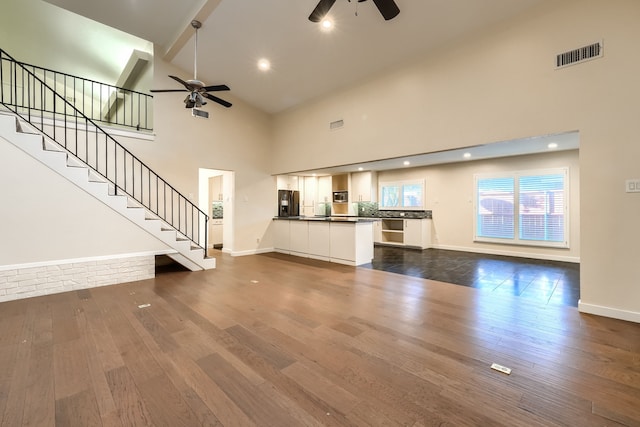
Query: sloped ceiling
{"type": "Point", "coordinates": [307, 63]}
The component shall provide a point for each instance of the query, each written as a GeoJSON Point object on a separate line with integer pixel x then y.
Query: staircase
{"type": "Point", "coordinates": [44, 125]}
{"type": "Point", "coordinates": [62, 162]}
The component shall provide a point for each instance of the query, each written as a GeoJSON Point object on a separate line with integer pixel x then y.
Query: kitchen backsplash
{"type": "Point", "coordinates": [370, 210]}
{"type": "Point", "coordinates": [216, 210]}
{"type": "Point", "coordinates": [407, 214]}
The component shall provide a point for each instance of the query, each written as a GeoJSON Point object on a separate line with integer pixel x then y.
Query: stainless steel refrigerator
{"type": "Point", "coordinates": [288, 203]}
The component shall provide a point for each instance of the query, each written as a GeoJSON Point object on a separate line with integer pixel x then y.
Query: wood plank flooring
{"type": "Point", "coordinates": [272, 340]}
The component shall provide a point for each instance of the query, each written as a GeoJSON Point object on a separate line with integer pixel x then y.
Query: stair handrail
{"type": "Point", "coordinates": [189, 228]}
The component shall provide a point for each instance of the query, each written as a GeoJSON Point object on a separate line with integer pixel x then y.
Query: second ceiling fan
{"type": "Point", "coordinates": [388, 9]}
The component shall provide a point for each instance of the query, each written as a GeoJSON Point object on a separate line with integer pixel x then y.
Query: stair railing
{"type": "Point", "coordinates": [100, 102]}
{"type": "Point", "coordinates": [28, 96]}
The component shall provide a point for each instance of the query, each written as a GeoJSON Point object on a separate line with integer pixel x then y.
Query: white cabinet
{"type": "Point", "coordinates": [309, 196]}
{"type": "Point", "coordinates": [417, 233]}
{"type": "Point", "coordinates": [342, 244]}
{"type": "Point", "coordinates": [216, 232]}
{"type": "Point", "coordinates": [406, 232]}
{"type": "Point", "coordinates": [364, 186]}
{"type": "Point", "coordinates": [215, 189]}
{"type": "Point", "coordinates": [298, 237]}
{"type": "Point", "coordinates": [351, 243]}
{"type": "Point", "coordinates": [377, 231]}
{"type": "Point", "coordinates": [281, 236]}
{"type": "Point", "coordinates": [319, 240]}
{"type": "Point", "coordinates": [288, 182]}
{"type": "Point", "coordinates": [324, 189]}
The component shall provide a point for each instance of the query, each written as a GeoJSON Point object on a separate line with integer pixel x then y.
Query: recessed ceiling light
{"type": "Point", "coordinates": [326, 24]}
{"type": "Point", "coordinates": [360, 168]}
{"type": "Point", "coordinates": [264, 64]}
{"type": "Point", "coordinates": [552, 145]}
{"type": "Point", "coordinates": [467, 155]}
{"type": "Point", "coordinates": [406, 163]}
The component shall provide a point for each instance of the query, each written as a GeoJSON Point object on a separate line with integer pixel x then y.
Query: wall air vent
{"type": "Point", "coordinates": [576, 56]}
{"type": "Point", "coordinates": [336, 124]}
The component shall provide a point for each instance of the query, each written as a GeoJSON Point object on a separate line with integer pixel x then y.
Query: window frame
{"type": "Point", "coordinates": [516, 176]}
{"type": "Point", "coordinates": [401, 185]}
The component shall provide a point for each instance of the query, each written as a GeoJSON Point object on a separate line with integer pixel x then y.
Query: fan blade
{"type": "Point", "coordinates": [167, 90]}
{"type": "Point", "coordinates": [216, 99]}
{"type": "Point", "coordinates": [321, 10]}
{"type": "Point", "coordinates": [182, 82]}
{"type": "Point", "coordinates": [215, 88]}
{"type": "Point", "coordinates": [388, 8]}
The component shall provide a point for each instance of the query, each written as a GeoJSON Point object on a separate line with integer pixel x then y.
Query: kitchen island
{"type": "Point", "coordinates": [343, 240]}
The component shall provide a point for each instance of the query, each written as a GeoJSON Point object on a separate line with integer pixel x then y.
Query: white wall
{"type": "Point", "coordinates": [45, 35]}
{"type": "Point", "coordinates": [449, 194]}
{"type": "Point", "coordinates": [236, 139]}
{"type": "Point", "coordinates": [44, 217]}
{"type": "Point", "coordinates": [498, 86]}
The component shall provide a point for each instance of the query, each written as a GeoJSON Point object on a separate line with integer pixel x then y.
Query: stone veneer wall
{"type": "Point", "coordinates": [26, 281]}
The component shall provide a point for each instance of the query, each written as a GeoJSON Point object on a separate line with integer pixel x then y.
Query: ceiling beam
{"type": "Point", "coordinates": [183, 37]}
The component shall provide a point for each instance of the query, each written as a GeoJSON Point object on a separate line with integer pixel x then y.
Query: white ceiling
{"type": "Point", "coordinates": [307, 63]}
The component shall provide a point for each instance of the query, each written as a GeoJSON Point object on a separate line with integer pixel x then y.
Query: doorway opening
{"type": "Point", "coordinates": [215, 198]}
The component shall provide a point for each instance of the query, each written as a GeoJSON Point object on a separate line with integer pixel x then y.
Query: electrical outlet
{"type": "Point", "coordinates": [633, 186]}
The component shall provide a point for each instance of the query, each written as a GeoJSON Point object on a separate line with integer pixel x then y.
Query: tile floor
{"type": "Point", "coordinates": [548, 282]}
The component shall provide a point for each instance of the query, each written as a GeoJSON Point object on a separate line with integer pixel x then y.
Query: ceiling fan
{"type": "Point", "coordinates": [197, 90]}
{"type": "Point", "coordinates": [388, 8]}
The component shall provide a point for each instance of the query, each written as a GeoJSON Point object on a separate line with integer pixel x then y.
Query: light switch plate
{"type": "Point", "coordinates": [632, 186]}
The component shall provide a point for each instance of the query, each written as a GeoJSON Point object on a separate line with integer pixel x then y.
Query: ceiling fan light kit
{"type": "Point", "coordinates": [388, 9]}
{"type": "Point", "coordinates": [197, 89]}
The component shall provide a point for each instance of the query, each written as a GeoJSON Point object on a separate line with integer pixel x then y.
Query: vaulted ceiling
{"type": "Point", "coordinates": [306, 62]}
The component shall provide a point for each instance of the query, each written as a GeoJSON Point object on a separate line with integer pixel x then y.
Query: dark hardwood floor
{"type": "Point", "coordinates": [546, 282]}
{"type": "Point", "coordinates": [274, 340]}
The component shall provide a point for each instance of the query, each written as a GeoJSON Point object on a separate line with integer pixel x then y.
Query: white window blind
{"type": "Point", "coordinates": [496, 199]}
{"type": "Point", "coordinates": [541, 213]}
{"type": "Point", "coordinates": [531, 202]}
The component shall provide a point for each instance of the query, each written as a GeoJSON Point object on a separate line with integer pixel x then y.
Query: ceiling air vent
{"type": "Point", "coordinates": [336, 124]}
{"type": "Point", "coordinates": [579, 55]}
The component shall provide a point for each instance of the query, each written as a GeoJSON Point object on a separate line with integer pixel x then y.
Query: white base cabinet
{"type": "Point", "coordinates": [298, 237]}
{"type": "Point", "coordinates": [281, 234]}
{"type": "Point", "coordinates": [414, 233]}
{"type": "Point", "coordinates": [343, 242]}
{"type": "Point", "coordinates": [319, 240]}
{"type": "Point", "coordinates": [215, 238]}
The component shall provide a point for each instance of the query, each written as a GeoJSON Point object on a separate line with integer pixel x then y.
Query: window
{"type": "Point", "coordinates": [527, 208]}
{"type": "Point", "coordinates": [402, 195]}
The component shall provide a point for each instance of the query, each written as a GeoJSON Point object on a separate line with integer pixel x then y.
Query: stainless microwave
{"type": "Point", "coordinates": [340, 196]}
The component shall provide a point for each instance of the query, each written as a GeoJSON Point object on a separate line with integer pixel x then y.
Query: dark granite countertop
{"type": "Point", "coordinates": [326, 218]}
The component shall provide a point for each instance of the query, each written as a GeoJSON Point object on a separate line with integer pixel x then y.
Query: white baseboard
{"type": "Point", "coordinates": [508, 253]}
{"type": "Point", "coordinates": [615, 313]}
{"type": "Point", "coordinates": [249, 252]}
